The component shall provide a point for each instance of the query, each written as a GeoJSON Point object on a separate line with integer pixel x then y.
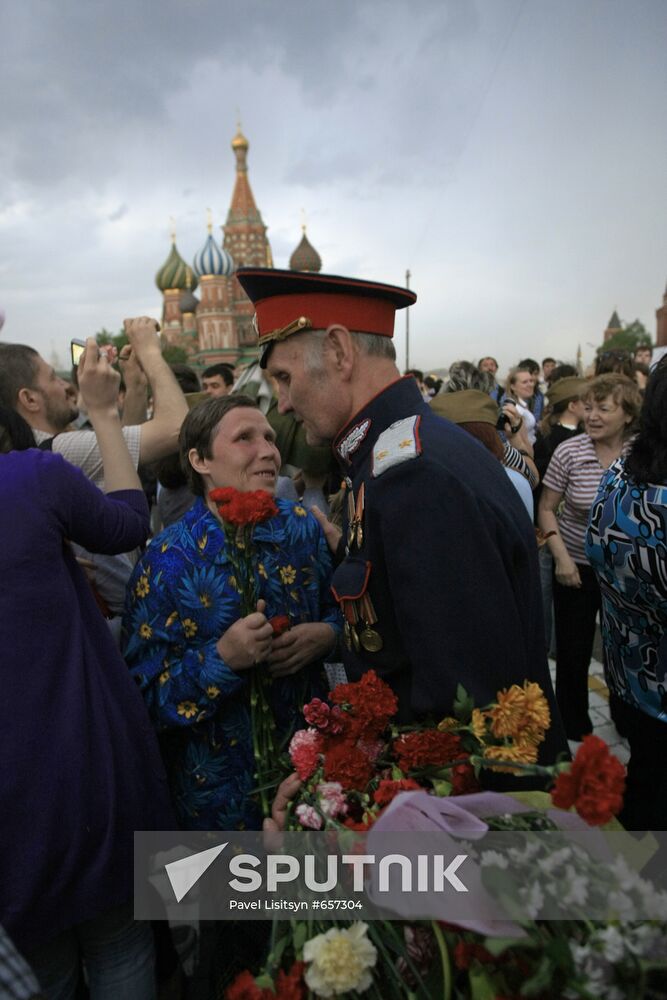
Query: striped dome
{"type": "Point", "coordinates": [175, 273]}
{"type": "Point", "coordinates": [213, 259]}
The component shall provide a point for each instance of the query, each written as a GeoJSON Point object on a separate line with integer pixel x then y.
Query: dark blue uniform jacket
{"type": "Point", "coordinates": [448, 558]}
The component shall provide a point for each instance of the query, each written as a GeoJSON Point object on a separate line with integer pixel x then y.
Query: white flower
{"type": "Point", "coordinates": [645, 941]}
{"type": "Point", "coordinates": [489, 858]}
{"type": "Point", "coordinates": [533, 900]}
{"type": "Point", "coordinates": [622, 907]}
{"type": "Point", "coordinates": [340, 961]}
{"type": "Point", "coordinates": [576, 893]}
{"type": "Point", "coordinates": [613, 946]}
{"type": "Point", "coordinates": [554, 860]}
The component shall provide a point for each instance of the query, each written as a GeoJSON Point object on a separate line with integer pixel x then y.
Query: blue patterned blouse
{"type": "Point", "coordinates": [626, 543]}
{"type": "Point", "coordinates": [182, 597]}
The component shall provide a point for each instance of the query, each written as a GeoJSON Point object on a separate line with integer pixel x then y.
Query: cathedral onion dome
{"type": "Point", "coordinates": [188, 302]}
{"type": "Point", "coordinates": [239, 141]}
{"type": "Point", "coordinates": [305, 257]}
{"type": "Point", "coordinates": [175, 273]}
{"type": "Point", "coordinates": [213, 259]}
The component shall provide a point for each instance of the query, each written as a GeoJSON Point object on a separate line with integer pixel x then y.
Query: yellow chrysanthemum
{"type": "Point", "coordinates": [164, 676]}
{"type": "Point", "coordinates": [261, 569]}
{"type": "Point", "coordinates": [536, 708]}
{"type": "Point", "coordinates": [287, 574]}
{"type": "Point", "coordinates": [212, 691]}
{"type": "Point", "coordinates": [448, 723]}
{"type": "Point", "coordinates": [300, 511]}
{"type": "Point", "coordinates": [142, 587]}
{"type": "Point", "coordinates": [523, 752]}
{"type": "Point", "coordinates": [189, 627]}
{"type": "Point", "coordinates": [478, 724]}
{"type": "Point", "coordinates": [187, 709]}
{"type": "Point", "coordinates": [507, 715]}
{"type": "Point", "coordinates": [205, 600]}
{"type": "Point", "coordinates": [145, 631]}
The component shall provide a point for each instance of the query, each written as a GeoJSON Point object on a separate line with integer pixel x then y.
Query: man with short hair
{"type": "Point", "coordinates": [31, 387]}
{"type": "Point", "coordinates": [644, 354]}
{"type": "Point", "coordinates": [438, 582]}
{"type": "Point", "coordinates": [548, 365]}
{"type": "Point", "coordinates": [218, 380]}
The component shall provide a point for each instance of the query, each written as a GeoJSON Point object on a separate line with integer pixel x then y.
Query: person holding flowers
{"type": "Point", "coordinates": [228, 619]}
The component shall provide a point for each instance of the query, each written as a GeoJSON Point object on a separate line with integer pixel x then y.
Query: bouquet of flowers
{"type": "Point", "coordinates": [353, 762]}
{"type": "Point", "coordinates": [240, 512]}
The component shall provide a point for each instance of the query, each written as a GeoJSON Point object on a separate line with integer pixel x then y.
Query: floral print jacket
{"type": "Point", "coordinates": [182, 597]}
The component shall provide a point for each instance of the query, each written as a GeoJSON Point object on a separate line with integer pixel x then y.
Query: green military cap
{"type": "Point", "coordinates": [466, 406]}
{"type": "Point", "coordinates": [566, 389]}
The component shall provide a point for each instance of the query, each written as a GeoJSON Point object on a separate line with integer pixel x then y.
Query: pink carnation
{"type": "Point", "coordinates": [304, 751]}
{"type": "Point", "coordinates": [332, 800]}
{"type": "Point", "coordinates": [308, 817]}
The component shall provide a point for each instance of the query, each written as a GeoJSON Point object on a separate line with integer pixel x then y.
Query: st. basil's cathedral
{"type": "Point", "coordinates": [217, 326]}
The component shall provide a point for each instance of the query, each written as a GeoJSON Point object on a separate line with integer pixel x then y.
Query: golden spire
{"type": "Point", "coordinates": [209, 221]}
{"type": "Point", "coordinates": [172, 228]}
{"type": "Point", "coordinates": [303, 221]}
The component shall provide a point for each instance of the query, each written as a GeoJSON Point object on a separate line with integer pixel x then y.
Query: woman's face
{"type": "Point", "coordinates": [243, 453]}
{"type": "Point", "coordinates": [604, 420]}
{"type": "Point", "coordinates": [523, 385]}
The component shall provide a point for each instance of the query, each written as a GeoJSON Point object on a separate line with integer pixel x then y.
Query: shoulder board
{"type": "Point", "coordinates": [399, 443]}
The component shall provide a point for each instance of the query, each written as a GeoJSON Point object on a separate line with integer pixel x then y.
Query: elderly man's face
{"type": "Point", "coordinates": [488, 365]}
{"type": "Point", "coordinates": [317, 398]}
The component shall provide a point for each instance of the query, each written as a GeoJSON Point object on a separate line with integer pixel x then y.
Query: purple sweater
{"type": "Point", "coordinates": [80, 768]}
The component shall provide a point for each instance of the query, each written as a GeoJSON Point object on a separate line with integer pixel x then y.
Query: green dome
{"type": "Point", "coordinates": [175, 273]}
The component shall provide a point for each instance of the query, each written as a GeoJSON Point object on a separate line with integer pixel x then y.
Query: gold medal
{"type": "Point", "coordinates": [360, 535]}
{"type": "Point", "coordinates": [371, 640]}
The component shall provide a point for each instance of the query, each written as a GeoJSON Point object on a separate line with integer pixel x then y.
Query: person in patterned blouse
{"type": "Point", "coordinates": [185, 641]}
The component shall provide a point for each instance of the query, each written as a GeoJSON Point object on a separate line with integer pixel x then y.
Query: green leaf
{"type": "Point", "coordinates": [541, 980]}
{"type": "Point", "coordinates": [300, 935]}
{"type": "Point", "coordinates": [463, 704]}
{"type": "Point", "coordinates": [442, 788]}
{"type": "Point", "coordinates": [481, 985]}
{"type": "Point", "coordinates": [265, 982]}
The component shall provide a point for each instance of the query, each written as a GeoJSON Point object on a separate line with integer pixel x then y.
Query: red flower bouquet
{"type": "Point", "coordinates": [240, 512]}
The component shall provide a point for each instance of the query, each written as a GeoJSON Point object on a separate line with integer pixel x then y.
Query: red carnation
{"type": "Point", "coordinates": [316, 713]}
{"type": "Point", "coordinates": [289, 985]}
{"type": "Point", "coordinates": [370, 704]}
{"type": "Point", "coordinates": [467, 952]}
{"type": "Point", "coordinates": [244, 987]}
{"type": "Point", "coordinates": [346, 763]}
{"type": "Point", "coordinates": [279, 624]}
{"type": "Point", "coordinates": [594, 785]}
{"type": "Point", "coordinates": [463, 779]}
{"type": "Point", "coordinates": [242, 509]}
{"type": "Point", "coordinates": [426, 748]}
{"type": "Point", "coordinates": [387, 790]}
{"type": "Point", "coordinates": [304, 751]}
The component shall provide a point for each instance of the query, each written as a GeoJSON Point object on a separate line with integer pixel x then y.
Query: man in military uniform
{"type": "Point", "coordinates": [439, 581]}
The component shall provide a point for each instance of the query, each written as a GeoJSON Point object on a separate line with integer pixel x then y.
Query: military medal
{"type": "Point", "coordinates": [370, 638]}
{"type": "Point", "coordinates": [351, 516]}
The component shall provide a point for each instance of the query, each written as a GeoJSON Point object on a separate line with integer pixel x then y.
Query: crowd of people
{"type": "Point", "coordinates": [471, 515]}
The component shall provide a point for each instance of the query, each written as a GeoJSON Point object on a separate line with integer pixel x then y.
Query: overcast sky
{"type": "Point", "coordinates": [511, 153]}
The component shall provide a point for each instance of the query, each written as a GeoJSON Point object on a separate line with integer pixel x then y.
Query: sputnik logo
{"type": "Point", "coordinates": [185, 873]}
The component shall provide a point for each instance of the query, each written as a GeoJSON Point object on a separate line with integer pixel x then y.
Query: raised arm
{"type": "Point", "coordinates": [98, 384]}
{"type": "Point", "coordinates": [159, 436]}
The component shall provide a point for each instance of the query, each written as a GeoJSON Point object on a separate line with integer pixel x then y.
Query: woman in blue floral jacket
{"type": "Point", "coordinates": [186, 642]}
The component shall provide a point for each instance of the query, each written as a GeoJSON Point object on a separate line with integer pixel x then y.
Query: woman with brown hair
{"type": "Point", "coordinates": [611, 408]}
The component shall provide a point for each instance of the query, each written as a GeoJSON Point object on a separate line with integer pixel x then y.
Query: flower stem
{"type": "Point", "coordinates": [444, 958]}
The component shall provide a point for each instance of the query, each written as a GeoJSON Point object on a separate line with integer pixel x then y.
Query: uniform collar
{"type": "Point", "coordinates": [399, 399]}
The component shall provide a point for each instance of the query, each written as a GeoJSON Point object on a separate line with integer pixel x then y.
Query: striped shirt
{"type": "Point", "coordinates": [81, 448]}
{"type": "Point", "coordinates": [575, 471]}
